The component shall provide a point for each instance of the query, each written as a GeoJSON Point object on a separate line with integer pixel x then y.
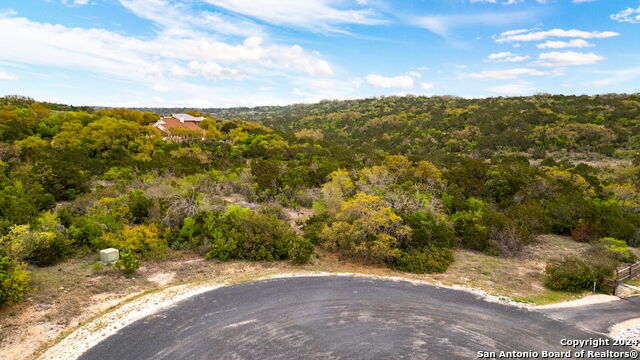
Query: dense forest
{"type": "Point", "coordinates": [398, 181]}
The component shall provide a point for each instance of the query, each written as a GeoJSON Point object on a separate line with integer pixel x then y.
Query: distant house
{"type": "Point", "coordinates": [178, 127]}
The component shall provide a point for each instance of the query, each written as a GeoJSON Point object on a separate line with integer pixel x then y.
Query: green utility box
{"type": "Point", "coordinates": [109, 256]}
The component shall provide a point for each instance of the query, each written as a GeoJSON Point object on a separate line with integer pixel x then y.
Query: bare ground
{"type": "Point", "coordinates": [72, 293]}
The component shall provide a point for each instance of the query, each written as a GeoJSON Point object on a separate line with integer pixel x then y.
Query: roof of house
{"type": "Point", "coordinates": [167, 123]}
{"type": "Point", "coordinates": [187, 117]}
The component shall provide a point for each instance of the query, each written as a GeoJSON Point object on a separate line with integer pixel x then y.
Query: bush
{"type": "Point", "coordinates": [430, 260]}
{"type": "Point", "coordinates": [51, 250]}
{"type": "Point", "coordinates": [565, 211]}
{"type": "Point", "coordinates": [240, 233]}
{"type": "Point", "coordinates": [14, 281]}
{"type": "Point", "coordinates": [506, 237]}
{"type": "Point", "coordinates": [139, 206]}
{"type": "Point", "coordinates": [430, 228]}
{"type": "Point", "coordinates": [42, 248]}
{"type": "Point", "coordinates": [469, 227]}
{"type": "Point", "coordinates": [608, 219]}
{"type": "Point", "coordinates": [617, 249]}
{"type": "Point", "coordinates": [127, 263]}
{"type": "Point", "coordinates": [579, 272]}
{"type": "Point", "coordinates": [314, 226]}
{"type": "Point", "coordinates": [141, 239]}
{"type": "Point", "coordinates": [584, 233]}
{"type": "Point", "coordinates": [367, 229]}
{"type": "Point", "coordinates": [300, 250]}
{"type": "Point", "coordinates": [85, 231]}
{"type": "Point", "coordinates": [187, 234]}
{"type": "Point", "coordinates": [119, 174]}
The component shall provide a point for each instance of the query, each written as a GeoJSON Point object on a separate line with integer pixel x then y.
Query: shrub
{"type": "Point", "coordinates": [119, 174]}
{"type": "Point", "coordinates": [222, 244]}
{"type": "Point", "coordinates": [187, 234]}
{"type": "Point", "coordinates": [314, 226]}
{"type": "Point", "coordinates": [240, 233]}
{"type": "Point", "coordinates": [139, 206]}
{"type": "Point", "coordinates": [430, 228]}
{"type": "Point", "coordinates": [635, 240]}
{"type": "Point", "coordinates": [617, 249]}
{"type": "Point", "coordinates": [565, 211]}
{"type": "Point", "coordinates": [127, 263]}
{"type": "Point", "coordinates": [608, 219]}
{"type": "Point", "coordinates": [141, 239]}
{"type": "Point", "coordinates": [584, 233]}
{"type": "Point", "coordinates": [366, 229]}
{"type": "Point", "coordinates": [300, 250]}
{"type": "Point", "coordinates": [430, 260]}
{"type": "Point", "coordinates": [469, 227]}
{"type": "Point", "coordinates": [14, 281]}
{"type": "Point", "coordinates": [506, 236]}
{"type": "Point", "coordinates": [530, 216]}
{"type": "Point", "coordinates": [85, 231]}
{"type": "Point", "coordinates": [41, 248]}
{"type": "Point", "coordinates": [579, 272]}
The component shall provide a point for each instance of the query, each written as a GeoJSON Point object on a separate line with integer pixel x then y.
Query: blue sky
{"type": "Point", "coordinates": [221, 53]}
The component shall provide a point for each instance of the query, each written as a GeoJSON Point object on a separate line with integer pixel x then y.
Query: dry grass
{"type": "Point", "coordinates": [69, 294]}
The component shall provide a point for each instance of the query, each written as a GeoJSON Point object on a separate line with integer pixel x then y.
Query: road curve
{"type": "Point", "coordinates": [598, 317]}
{"type": "Point", "coordinates": [337, 317]}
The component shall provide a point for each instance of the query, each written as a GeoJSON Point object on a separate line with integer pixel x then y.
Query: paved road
{"type": "Point", "coordinates": [599, 317]}
{"type": "Point", "coordinates": [335, 317]}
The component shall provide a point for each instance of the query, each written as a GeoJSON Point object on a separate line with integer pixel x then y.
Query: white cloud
{"type": "Point", "coordinates": [167, 54]}
{"type": "Point", "coordinates": [428, 85]}
{"type": "Point", "coordinates": [7, 76]}
{"type": "Point", "coordinates": [73, 3]}
{"type": "Point", "coordinates": [614, 77]}
{"type": "Point", "coordinates": [507, 74]}
{"type": "Point", "coordinates": [629, 15]}
{"type": "Point", "coordinates": [568, 58]}
{"type": "Point", "coordinates": [526, 35]}
{"type": "Point", "coordinates": [506, 56]}
{"type": "Point", "coordinates": [164, 13]}
{"type": "Point", "coordinates": [294, 57]}
{"type": "Point", "coordinates": [161, 88]}
{"type": "Point", "coordinates": [516, 89]}
{"type": "Point", "coordinates": [213, 71]}
{"type": "Point", "coordinates": [317, 15]}
{"type": "Point", "coordinates": [575, 43]}
{"type": "Point", "coordinates": [324, 84]}
{"type": "Point", "coordinates": [401, 81]}
{"type": "Point", "coordinates": [179, 71]}
{"type": "Point", "coordinates": [8, 12]}
{"type": "Point", "coordinates": [443, 24]}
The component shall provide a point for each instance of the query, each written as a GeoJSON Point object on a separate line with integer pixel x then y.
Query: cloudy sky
{"type": "Point", "coordinates": [221, 53]}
